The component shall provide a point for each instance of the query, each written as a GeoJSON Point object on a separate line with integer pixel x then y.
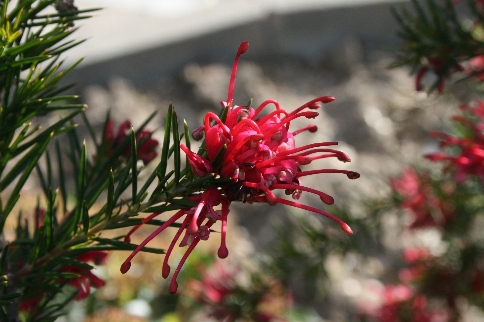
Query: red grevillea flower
{"type": "Point", "coordinates": [221, 286]}
{"type": "Point", "coordinates": [418, 197]}
{"type": "Point", "coordinates": [475, 67]}
{"type": "Point", "coordinates": [86, 278]}
{"type": "Point", "coordinates": [418, 261]}
{"type": "Point", "coordinates": [440, 68]}
{"type": "Point", "coordinates": [258, 153]}
{"type": "Point", "coordinates": [470, 158]}
{"type": "Point", "coordinates": [146, 145]}
{"type": "Point", "coordinates": [82, 283]}
{"type": "Point", "coordinates": [216, 285]}
{"type": "Point", "coordinates": [401, 304]}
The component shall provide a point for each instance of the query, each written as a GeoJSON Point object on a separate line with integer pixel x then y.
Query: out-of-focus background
{"type": "Point", "coordinates": [141, 55]}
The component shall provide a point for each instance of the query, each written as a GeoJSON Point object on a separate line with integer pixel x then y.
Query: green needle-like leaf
{"type": "Point", "coordinates": [176, 147]}
{"type": "Point", "coordinates": [20, 137]}
{"type": "Point", "coordinates": [146, 185]}
{"type": "Point", "coordinates": [85, 218]}
{"type": "Point", "coordinates": [187, 134]}
{"type": "Point", "coordinates": [161, 185]}
{"type": "Point", "coordinates": [166, 143]}
{"type": "Point", "coordinates": [126, 246]}
{"type": "Point", "coordinates": [91, 131]}
{"type": "Point", "coordinates": [123, 182]}
{"type": "Point", "coordinates": [47, 230]}
{"type": "Point", "coordinates": [111, 201]}
{"type": "Point", "coordinates": [27, 168]}
{"type": "Point", "coordinates": [138, 221]}
{"type": "Point", "coordinates": [175, 204]}
{"type": "Point", "coordinates": [81, 187]}
{"type": "Point", "coordinates": [62, 183]}
{"type": "Point", "coordinates": [134, 167]}
{"type": "Point", "coordinates": [57, 128]}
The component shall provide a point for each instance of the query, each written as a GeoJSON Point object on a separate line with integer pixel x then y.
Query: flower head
{"type": "Point", "coordinates": [418, 197]}
{"type": "Point", "coordinates": [401, 303]}
{"type": "Point", "coordinates": [255, 150]}
{"type": "Point", "coordinates": [469, 158]}
{"type": "Point", "coordinates": [475, 67]}
{"type": "Point", "coordinates": [221, 286]}
{"type": "Point", "coordinates": [83, 282]}
{"type": "Point", "coordinates": [146, 145]}
{"type": "Point", "coordinates": [86, 278]}
{"type": "Point", "coordinates": [440, 68]}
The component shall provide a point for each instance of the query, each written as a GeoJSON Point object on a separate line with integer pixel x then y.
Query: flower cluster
{"type": "Point", "coordinates": [400, 302]}
{"type": "Point", "coordinates": [82, 283]}
{"type": "Point", "coordinates": [443, 41]}
{"type": "Point", "coordinates": [450, 206]}
{"type": "Point", "coordinates": [146, 145]}
{"type": "Point", "coordinates": [226, 298]}
{"type": "Point", "coordinates": [429, 271]}
{"type": "Point", "coordinates": [468, 156]}
{"type": "Point", "coordinates": [257, 153]}
{"type": "Point", "coordinates": [429, 290]}
{"type": "Point", "coordinates": [417, 193]}
{"type": "Point", "coordinates": [439, 68]}
{"type": "Point", "coordinates": [86, 278]}
{"type": "Point", "coordinates": [403, 301]}
{"type": "Point", "coordinates": [472, 67]}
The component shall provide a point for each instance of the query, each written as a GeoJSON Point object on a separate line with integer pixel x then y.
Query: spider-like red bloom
{"type": "Point", "coordinates": [258, 153]}
{"type": "Point", "coordinates": [469, 160]}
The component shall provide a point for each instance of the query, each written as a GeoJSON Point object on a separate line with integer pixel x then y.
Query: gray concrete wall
{"type": "Point", "coordinates": [308, 34]}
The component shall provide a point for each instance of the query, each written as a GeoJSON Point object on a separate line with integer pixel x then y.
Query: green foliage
{"type": "Point", "coordinates": [30, 47]}
{"type": "Point", "coordinates": [437, 36]}
{"type": "Point", "coordinates": [44, 257]}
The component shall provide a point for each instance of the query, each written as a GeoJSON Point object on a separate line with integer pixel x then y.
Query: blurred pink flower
{"type": "Point", "coordinates": [438, 67]}
{"type": "Point", "coordinates": [469, 158]}
{"type": "Point", "coordinates": [418, 197]}
{"type": "Point", "coordinates": [82, 283]}
{"type": "Point", "coordinates": [475, 67]}
{"type": "Point", "coordinates": [220, 288]}
{"type": "Point", "coordinates": [216, 284]}
{"type": "Point", "coordinates": [86, 278]}
{"type": "Point", "coordinates": [146, 145]}
{"type": "Point", "coordinates": [418, 260]}
{"type": "Point", "coordinates": [400, 303]}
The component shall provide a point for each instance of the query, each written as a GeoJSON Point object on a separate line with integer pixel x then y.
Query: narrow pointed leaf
{"type": "Point", "coordinates": [15, 194]}
{"type": "Point", "coordinates": [126, 246]}
{"type": "Point", "coordinates": [123, 182]}
{"type": "Point", "coordinates": [111, 201]}
{"type": "Point", "coordinates": [161, 185]}
{"type": "Point", "coordinates": [134, 167]}
{"type": "Point", "coordinates": [187, 134]}
{"type": "Point", "coordinates": [176, 147]}
{"type": "Point", "coordinates": [166, 143]}
{"type": "Point", "coordinates": [85, 218]}
{"type": "Point", "coordinates": [62, 183]}
{"type": "Point", "coordinates": [91, 131]}
{"type": "Point", "coordinates": [147, 183]}
{"type": "Point", "coordinates": [81, 186]}
{"type": "Point", "coordinates": [138, 221]}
